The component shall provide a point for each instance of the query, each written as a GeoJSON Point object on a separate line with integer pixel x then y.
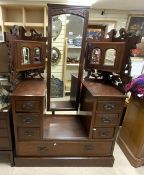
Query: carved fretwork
{"type": "Point", "coordinates": [64, 9]}
{"type": "Point", "coordinates": [107, 75]}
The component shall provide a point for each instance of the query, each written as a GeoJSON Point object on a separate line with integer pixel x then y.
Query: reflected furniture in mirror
{"type": "Point", "coordinates": [71, 43]}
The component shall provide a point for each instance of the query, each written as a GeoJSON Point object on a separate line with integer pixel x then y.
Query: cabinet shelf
{"type": "Point", "coordinates": [63, 127]}
{"type": "Point", "coordinates": [74, 47]}
{"type": "Point", "coordinates": [29, 24]}
{"type": "Point", "coordinates": [7, 24]}
{"type": "Point", "coordinates": [73, 64]}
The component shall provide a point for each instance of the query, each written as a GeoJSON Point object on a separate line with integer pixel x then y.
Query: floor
{"type": "Point", "coordinates": [121, 167]}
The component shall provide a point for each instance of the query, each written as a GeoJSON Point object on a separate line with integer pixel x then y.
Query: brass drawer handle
{"type": "Point", "coordinates": [28, 120]}
{"type": "Point", "coordinates": [42, 148]}
{"type": "Point", "coordinates": [27, 106]}
{"type": "Point", "coordinates": [88, 147]}
{"type": "Point", "coordinates": [106, 120]}
{"type": "Point", "coordinates": [109, 106]}
{"type": "Point", "coordinates": [29, 133]}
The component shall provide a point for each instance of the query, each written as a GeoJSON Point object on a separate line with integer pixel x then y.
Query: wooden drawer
{"type": "Point", "coordinates": [4, 143]}
{"type": "Point", "coordinates": [3, 133]}
{"type": "Point", "coordinates": [103, 133]}
{"type": "Point", "coordinates": [4, 115]}
{"type": "Point", "coordinates": [109, 106]}
{"type": "Point", "coordinates": [3, 123]}
{"type": "Point", "coordinates": [27, 119]}
{"type": "Point", "coordinates": [106, 120]}
{"type": "Point", "coordinates": [49, 148]}
{"type": "Point", "coordinates": [28, 106]}
{"type": "Point", "coordinates": [28, 133]}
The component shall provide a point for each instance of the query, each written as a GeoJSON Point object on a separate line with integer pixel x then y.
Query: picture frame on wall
{"type": "Point", "coordinates": [96, 31]}
{"type": "Point", "coordinates": [135, 26]}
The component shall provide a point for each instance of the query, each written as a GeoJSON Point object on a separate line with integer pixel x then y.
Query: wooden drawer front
{"type": "Point", "coordinates": [3, 123]}
{"type": "Point", "coordinates": [28, 119]}
{"type": "Point", "coordinates": [4, 115]}
{"type": "Point", "coordinates": [4, 143]}
{"type": "Point", "coordinates": [28, 106]}
{"type": "Point", "coordinates": [109, 106]}
{"type": "Point", "coordinates": [28, 133]}
{"type": "Point", "coordinates": [3, 133]}
{"type": "Point", "coordinates": [64, 149]}
{"type": "Point", "coordinates": [106, 119]}
{"type": "Point", "coordinates": [103, 133]}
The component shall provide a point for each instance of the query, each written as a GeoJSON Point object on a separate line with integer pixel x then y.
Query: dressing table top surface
{"type": "Point", "coordinates": [31, 87]}
{"type": "Point", "coordinates": [98, 89]}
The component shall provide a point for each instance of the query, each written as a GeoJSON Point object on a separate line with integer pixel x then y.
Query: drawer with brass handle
{"type": "Point", "coordinates": [65, 148]}
{"type": "Point", "coordinates": [106, 119]}
{"type": "Point", "coordinates": [27, 119]}
{"type": "Point", "coordinates": [27, 106]}
{"type": "Point", "coordinates": [28, 133]}
{"type": "Point", "coordinates": [103, 133]}
{"type": "Point", "coordinates": [109, 106]}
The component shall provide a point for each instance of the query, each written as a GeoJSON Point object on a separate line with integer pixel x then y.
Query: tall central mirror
{"type": "Point", "coordinates": [67, 26]}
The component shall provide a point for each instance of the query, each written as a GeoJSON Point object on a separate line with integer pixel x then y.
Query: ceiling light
{"type": "Point", "coordinates": [81, 2]}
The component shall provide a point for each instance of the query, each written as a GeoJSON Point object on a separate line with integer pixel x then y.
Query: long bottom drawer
{"type": "Point", "coordinates": [50, 148]}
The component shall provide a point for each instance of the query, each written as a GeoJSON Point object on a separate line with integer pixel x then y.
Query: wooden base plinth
{"type": "Point", "coordinates": [64, 161]}
{"type": "Point", "coordinates": [10, 154]}
{"type": "Point", "coordinates": [134, 161]}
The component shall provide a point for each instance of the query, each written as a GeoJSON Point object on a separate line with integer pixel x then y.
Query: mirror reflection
{"type": "Point", "coordinates": [68, 42]}
{"type": "Point", "coordinates": [25, 56]}
{"type": "Point", "coordinates": [56, 27]}
{"type": "Point", "coordinates": [95, 56]}
{"type": "Point", "coordinates": [110, 56]}
{"type": "Point", "coordinates": [37, 55]}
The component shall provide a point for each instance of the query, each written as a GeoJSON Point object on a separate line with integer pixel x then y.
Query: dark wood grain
{"type": "Point", "coordinates": [131, 137]}
{"type": "Point", "coordinates": [30, 87]}
{"type": "Point", "coordinates": [65, 161]}
{"type": "Point", "coordinates": [63, 127]}
{"type": "Point", "coordinates": [6, 133]}
{"type": "Point", "coordinates": [102, 90]}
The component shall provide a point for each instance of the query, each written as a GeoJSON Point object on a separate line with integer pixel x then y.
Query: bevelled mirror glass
{"type": "Point", "coordinates": [110, 56]}
{"type": "Point", "coordinates": [66, 33]}
{"type": "Point", "coordinates": [56, 27]}
{"type": "Point", "coordinates": [37, 55]}
{"type": "Point", "coordinates": [95, 56]}
{"type": "Point", "coordinates": [25, 56]}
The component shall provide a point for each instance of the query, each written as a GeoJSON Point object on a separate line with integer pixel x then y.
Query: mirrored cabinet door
{"type": "Point", "coordinates": [29, 55]}
{"type": "Point", "coordinates": [37, 55]}
{"type": "Point", "coordinates": [25, 56]}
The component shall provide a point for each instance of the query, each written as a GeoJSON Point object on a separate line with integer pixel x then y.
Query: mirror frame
{"type": "Point", "coordinates": [58, 9]}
